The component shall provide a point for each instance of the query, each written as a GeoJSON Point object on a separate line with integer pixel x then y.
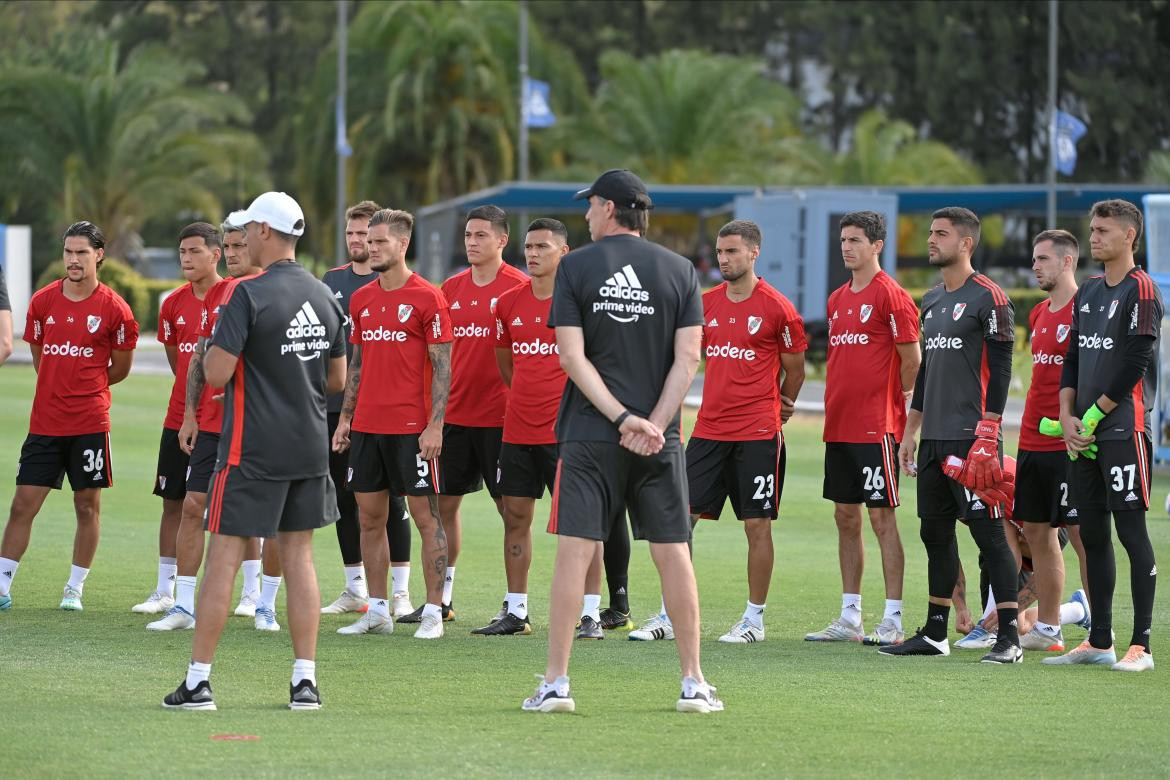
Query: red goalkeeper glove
{"type": "Point", "coordinates": [1002, 492]}
{"type": "Point", "coordinates": [983, 459]}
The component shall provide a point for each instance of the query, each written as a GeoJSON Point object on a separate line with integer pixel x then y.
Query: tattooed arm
{"type": "Point", "coordinates": [195, 384]}
{"type": "Point", "coordinates": [430, 443]}
{"type": "Point", "coordinates": [353, 378]}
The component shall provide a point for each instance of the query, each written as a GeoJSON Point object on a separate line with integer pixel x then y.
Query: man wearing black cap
{"type": "Point", "coordinates": [628, 318]}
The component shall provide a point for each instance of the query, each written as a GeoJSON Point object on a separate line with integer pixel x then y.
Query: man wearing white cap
{"type": "Point", "coordinates": [278, 349]}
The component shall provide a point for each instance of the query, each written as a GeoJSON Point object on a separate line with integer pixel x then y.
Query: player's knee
{"type": "Point", "coordinates": [937, 534]}
{"type": "Point", "coordinates": [884, 523]}
{"type": "Point", "coordinates": [848, 518]}
{"type": "Point", "coordinates": [86, 506]}
{"type": "Point", "coordinates": [758, 529]}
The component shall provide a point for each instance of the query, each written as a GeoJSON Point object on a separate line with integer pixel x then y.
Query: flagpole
{"type": "Point", "coordinates": [1051, 176]}
{"type": "Point", "coordinates": [342, 148]}
{"type": "Point", "coordinates": [523, 155]}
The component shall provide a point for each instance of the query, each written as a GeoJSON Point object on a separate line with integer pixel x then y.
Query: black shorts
{"type": "Point", "coordinates": [203, 456]}
{"type": "Point", "coordinates": [751, 473]}
{"type": "Point", "coordinates": [239, 506]}
{"type": "Point", "coordinates": [1118, 479]}
{"type": "Point", "coordinates": [597, 480]}
{"type": "Point", "coordinates": [470, 459]}
{"type": "Point", "coordinates": [170, 479]}
{"type": "Point", "coordinates": [44, 461]}
{"type": "Point", "coordinates": [939, 496]}
{"type": "Point", "coordinates": [391, 461]}
{"type": "Point", "coordinates": [862, 473]}
{"type": "Point", "coordinates": [1042, 489]}
{"type": "Point", "coordinates": [525, 470]}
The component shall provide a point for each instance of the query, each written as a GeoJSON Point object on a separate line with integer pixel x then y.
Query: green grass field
{"type": "Point", "coordinates": [81, 691]}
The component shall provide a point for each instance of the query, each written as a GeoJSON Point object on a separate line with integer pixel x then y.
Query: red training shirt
{"type": "Point", "coordinates": [180, 321]}
{"type": "Point", "coordinates": [209, 413]}
{"type": "Point", "coordinates": [538, 381]}
{"type": "Point", "coordinates": [1050, 331]}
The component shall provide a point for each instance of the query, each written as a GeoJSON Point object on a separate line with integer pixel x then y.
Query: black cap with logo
{"type": "Point", "coordinates": [621, 186]}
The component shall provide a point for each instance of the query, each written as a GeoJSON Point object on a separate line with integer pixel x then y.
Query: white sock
{"type": "Point", "coordinates": [268, 588]}
{"type": "Point", "coordinates": [400, 576]}
{"type": "Point", "coordinates": [448, 584]}
{"type": "Point", "coordinates": [1070, 612]}
{"type": "Point", "coordinates": [185, 593]}
{"type": "Point", "coordinates": [167, 569]}
{"type": "Point", "coordinates": [851, 608]}
{"type": "Point", "coordinates": [518, 604]}
{"type": "Point", "coordinates": [592, 606]}
{"type": "Point", "coordinates": [893, 611]}
{"type": "Point", "coordinates": [197, 673]}
{"type": "Point", "coordinates": [990, 605]}
{"type": "Point", "coordinates": [251, 585]}
{"type": "Point", "coordinates": [433, 610]}
{"type": "Point", "coordinates": [662, 610]}
{"type": "Point", "coordinates": [77, 577]}
{"type": "Point", "coordinates": [379, 607]}
{"type": "Point", "coordinates": [754, 614]}
{"type": "Point", "coordinates": [1047, 628]}
{"type": "Point", "coordinates": [304, 670]}
{"type": "Point", "coordinates": [355, 581]}
{"type": "Point", "coordinates": [7, 572]}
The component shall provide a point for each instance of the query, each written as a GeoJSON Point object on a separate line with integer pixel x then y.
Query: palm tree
{"type": "Point", "coordinates": [88, 135]}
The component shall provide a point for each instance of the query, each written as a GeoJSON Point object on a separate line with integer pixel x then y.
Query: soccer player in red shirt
{"type": "Point", "coordinates": [391, 419]}
{"type": "Point", "coordinates": [873, 359]}
{"type": "Point", "coordinates": [179, 323]}
{"type": "Point", "coordinates": [82, 335]}
{"type": "Point", "coordinates": [475, 416]}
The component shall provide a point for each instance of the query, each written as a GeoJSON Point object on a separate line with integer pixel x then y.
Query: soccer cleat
{"type": "Point", "coordinates": [416, 616]}
{"type": "Point", "coordinates": [919, 644]}
{"type": "Point", "coordinates": [1042, 641]}
{"type": "Point", "coordinates": [887, 633]}
{"type": "Point", "coordinates": [500, 614]}
{"type": "Point", "coordinates": [155, 603]}
{"type": "Point", "coordinates": [508, 625]}
{"type": "Point", "coordinates": [588, 628]}
{"type": "Point", "coordinates": [1136, 660]}
{"type": "Point", "coordinates": [979, 639]}
{"type": "Point", "coordinates": [430, 627]}
{"type": "Point", "coordinates": [400, 604]}
{"type": "Point", "coordinates": [612, 619]}
{"type": "Point", "coordinates": [346, 602]}
{"type": "Point", "coordinates": [247, 606]}
{"type": "Point", "coordinates": [1084, 653]}
{"type": "Point", "coordinates": [176, 619]}
{"type": "Point", "coordinates": [657, 627]}
{"type": "Point", "coordinates": [183, 699]}
{"type": "Point", "coordinates": [550, 697]}
{"type": "Point", "coordinates": [1082, 598]}
{"type": "Point", "coordinates": [5, 603]}
{"type": "Point", "coordinates": [266, 619]}
{"type": "Point", "coordinates": [743, 632]}
{"type": "Point", "coordinates": [303, 696]}
{"type": "Point", "coordinates": [1005, 651]}
{"type": "Point", "coordinates": [700, 698]}
{"type": "Point", "coordinates": [368, 623]}
{"type": "Point", "coordinates": [837, 631]}
{"type": "Point", "coordinates": [71, 600]}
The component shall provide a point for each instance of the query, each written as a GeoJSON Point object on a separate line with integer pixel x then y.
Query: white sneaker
{"type": "Point", "coordinates": [887, 633]}
{"type": "Point", "coordinates": [1136, 660]}
{"type": "Point", "coordinates": [155, 603]}
{"type": "Point", "coordinates": [368, 623]}
{"type": "Point", "coordinates": [979, 639]}
{"type": "Point", "coordinates": [346, 602]}
{"type": "Point", "coordinates": [837, 631]}
{"type": "Point", "coordinates": [431, 627]}
{"type": "Point", "coordinates": [1043, 641]}
{"type": "Point", "coordinates": [71, 599]}
{"type": "Point", "coordinates": [550, 697]}
{"type": "Point", "coordinates": [399, 604]}
{"type": "Point", "coordinates": [699, 698]}
{"type": "Point", "coordinates": [247, 605]}
{"type": "Point", "coordinates": [743, 633]}
{"type": "Point", "coordinates": [657, 627]}
{"type": "Point", "coordinates": [265, 619]}
{"type": "Point", "coordinates": [176, 619]}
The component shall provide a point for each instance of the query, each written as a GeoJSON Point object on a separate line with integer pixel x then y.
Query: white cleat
{"type": "Point", "coordinates": [346, 602]}
{"type": "Point", "coordinates": [1136, 660]}
{"type": "Point", "coordinates": [550, 697]}
{"type": "Point", "coordinates": [657, 627]}
{"type": "Point", "coordinates": [156, 603]}
{"type": "Point", "coordinates": [266, 619]}
{"type": "Point", "coordinates": [698, 697]}
{"type": "Point", "coordinates": [247, 606]}
{"type": "Point", "coordinates": [176, 619]}
{"type": "Point", "coordinates": [369, 623]}
{"type": "Point", "coordinates": [887, 633]}
{"type": "Point", "coordinates": [71, 600]}
{"type": "Point", "coordinates": [837, 631]}
{"type": "Point", "coordinates": [742, 633]}
{"type": "Point", "coordinates": [431, 627]}
{"type": "Point", "coordinates": [400, 604]}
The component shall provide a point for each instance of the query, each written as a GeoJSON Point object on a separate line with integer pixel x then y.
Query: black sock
{"type": "Point", "coordinates": [936, 621]}
{"type": "Point", "coordinates": [1008, 624]}
{"type": "Point", "coordinates": [1096, 537]}
{"type": "Point", "coordinates": [1143, 572]}
{"type": "Point", "coordinates": [617, 566]}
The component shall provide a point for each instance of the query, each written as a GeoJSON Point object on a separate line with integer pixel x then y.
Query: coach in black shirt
{"type": "Point", "coordinates": [628, 317]}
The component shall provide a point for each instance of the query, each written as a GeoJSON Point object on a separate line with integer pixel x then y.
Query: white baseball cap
{"type": "Point", "coordinates": [277, 209]}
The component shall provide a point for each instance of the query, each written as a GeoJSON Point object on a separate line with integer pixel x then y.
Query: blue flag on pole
{"type": "Point", "coordinates": [1069, 130]}
{"type": "Point", "coordinates": [537, 111]}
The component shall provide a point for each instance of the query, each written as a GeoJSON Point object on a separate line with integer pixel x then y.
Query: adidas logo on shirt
{"type": "Point", "coordinates": [50, 321]}
{"type": "Point", "coordinates": [713, 323]}
{"type": "Point", "coordinates": [929, 314]}
{"type": "Point", "coordinates": [625, 298]}
{"type": "Point", "coordinates": [306, 335]}
{"type": "Point", "coordinates": [180, 321]}
{"type": "Point", "coordinates": [455, 306]}
{"type": "Point", "coordinates": [516, 322]}
{"type": "Point", "coordinates": [1085, 308]}
{"type": "Point", "coordinates": [337, 295]}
